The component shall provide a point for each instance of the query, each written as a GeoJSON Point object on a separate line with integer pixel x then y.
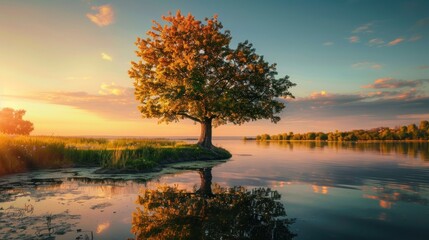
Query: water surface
{"type": "Point", "coordinates": [312, 190]}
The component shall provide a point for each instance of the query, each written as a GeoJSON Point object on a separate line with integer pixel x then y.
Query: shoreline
{"type": "Point", "coordinates": [327, 141]}
{"type": "Point", "coordinates": [20, 154]}
{"type": "Point", "coordinates": [163, 164]}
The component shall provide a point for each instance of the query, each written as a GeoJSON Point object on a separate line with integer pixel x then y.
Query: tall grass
{"type": "Point", "coordinates": [149, 156]}
{"type": "Point", "coordinates": [24, 153]}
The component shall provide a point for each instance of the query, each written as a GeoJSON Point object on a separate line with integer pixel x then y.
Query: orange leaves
{"type": "Point", "coordinates": [225, 84]}
{"type": "Point", "coordinates": [163, 61]}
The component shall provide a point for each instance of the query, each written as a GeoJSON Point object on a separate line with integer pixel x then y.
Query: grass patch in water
{"type": "Point", "coordinates": [148, 157]}
{"type": "Point", "coordinates": [24, 153]}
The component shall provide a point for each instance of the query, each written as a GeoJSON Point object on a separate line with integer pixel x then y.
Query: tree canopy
{"type": "Point", "coordinates": [11, 122]}
{"type": "Point", "coordinates": [187, 69]}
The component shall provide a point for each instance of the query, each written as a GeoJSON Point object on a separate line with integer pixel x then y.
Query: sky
{"type": "Point", "coordinates": [358, 64]}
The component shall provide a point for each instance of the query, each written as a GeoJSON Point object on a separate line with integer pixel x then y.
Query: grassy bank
{"type": "Point", "coordinates": [20, 154]}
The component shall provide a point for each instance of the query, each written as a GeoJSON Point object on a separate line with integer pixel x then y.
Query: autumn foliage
{"type": "Point", "coordinates": [187, 69]}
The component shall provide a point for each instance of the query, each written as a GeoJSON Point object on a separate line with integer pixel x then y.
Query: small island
{"type": "Point", "coordinates": [25, 153]}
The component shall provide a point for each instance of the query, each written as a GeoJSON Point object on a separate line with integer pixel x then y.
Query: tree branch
{"type": "Point", "coordinates": [188, 116]}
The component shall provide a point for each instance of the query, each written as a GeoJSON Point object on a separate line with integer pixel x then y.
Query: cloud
{"type": "Point", "coordinates": [391, 83]}
{"type": "Point", "coordinates": [376, 66]}
{"type": "Point", "coordinates": [322, 98]}
{"type": "Point", "coordinates": [104, 15]}
{"type": "Point", "coordinates": [423, 67]}
{"type": "Point", "coordinates": [376, 42]}
{"type": "Point", "coordinates": [398, 95]}
{"type": "Point", "coordinates": [415, 116]}
{"type": "Point", "coordinates": [424, 22]}
{"type": "Point", "coordinates": [395, 42]}
{"type": "Point", "coordinates": [389, 102]}
{"type": "Point", "coordinates": [330, 111]}
{"type": "Point", "coordinates": [102, 226]}
{"type": "Point", "coordinates": [112, 101]}
{"type": "Point", "coordinates": [113, 89]}
{"type": "Point", "coordinates": [371, 65]}
{"type": "Point", "coordinates": [382, 105]}
{"type": "Point", "coordinates": [328, 43]}
{"type": "Point", "coordinates": [366, 28]}
{"type": "Point", "coordinates": [78, 78]}
{"type": "Point", "coordinates": [106, 57]}
{"type": "Point", "coordinates": [353, 39]}
{"type": "Point", "coordinates": [415, 38]}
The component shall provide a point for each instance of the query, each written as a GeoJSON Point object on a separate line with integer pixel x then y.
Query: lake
{"type": "Point", "coordinates": [277, 190]}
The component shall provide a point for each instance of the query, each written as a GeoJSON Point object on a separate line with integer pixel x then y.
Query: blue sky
{"type": "Point", "coordinates": [357, 63]}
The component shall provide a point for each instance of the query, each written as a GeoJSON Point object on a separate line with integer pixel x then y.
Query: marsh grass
{"type": "Point", "coordinates": [24, 153]}
{"type": "Point", "coordinates": [149, 156]}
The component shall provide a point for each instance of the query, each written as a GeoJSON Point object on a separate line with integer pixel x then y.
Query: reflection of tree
{"type": "Point", "coordinates": [219, 213]}
{"type": "Point", "coordinates": [205, 189]}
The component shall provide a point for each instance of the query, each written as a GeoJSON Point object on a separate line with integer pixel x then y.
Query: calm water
{"type": "Point", "coordinates": [327, 191]}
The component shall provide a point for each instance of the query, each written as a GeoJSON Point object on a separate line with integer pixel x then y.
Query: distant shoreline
{"type": "Point", "coordinates": [326, 141]}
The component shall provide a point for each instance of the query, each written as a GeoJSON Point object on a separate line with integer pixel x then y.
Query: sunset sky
{"type": "Point", "coordinates": [357, 63]}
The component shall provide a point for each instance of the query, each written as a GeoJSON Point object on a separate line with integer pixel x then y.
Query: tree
{"type": "Point", "coordinates": [424, 125]}
{"type": "Point", "coordinates": [186, 69]}
{"type": "Point", "coordinates": [412, 131]}
{"type": "Point", "coordinates": [311, 136]}
{"type": "Point", "coordinates": [219, 213]}
{"type": "Point", "coordinates": [11, 122]}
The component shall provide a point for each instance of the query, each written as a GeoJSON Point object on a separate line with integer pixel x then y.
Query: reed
{"type": "Point", "coordinates": [25, 153]}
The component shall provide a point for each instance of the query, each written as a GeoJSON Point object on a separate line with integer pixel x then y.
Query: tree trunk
{"type": "Point", "coordinates": [205, 139]}
{"type": "Point", "coordinates": [206, 182]}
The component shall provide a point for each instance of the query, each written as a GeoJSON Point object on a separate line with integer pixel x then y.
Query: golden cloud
{"type": "Point", "coordinates": [395, 42]}
{"type": "Point", "coordinates": [106, 57]}
{"type": "Point", "coordinates": [103, 226]}
{"type": "Point", "coordinates": [112, 89]}
{"type": "Point", "coordinates": [104, 15]}
{"type": "Point", "coordinates": [392, 83]}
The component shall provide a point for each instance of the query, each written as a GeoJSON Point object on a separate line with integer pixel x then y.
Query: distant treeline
{"type": "Point", "coordinates": [410, 132]}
